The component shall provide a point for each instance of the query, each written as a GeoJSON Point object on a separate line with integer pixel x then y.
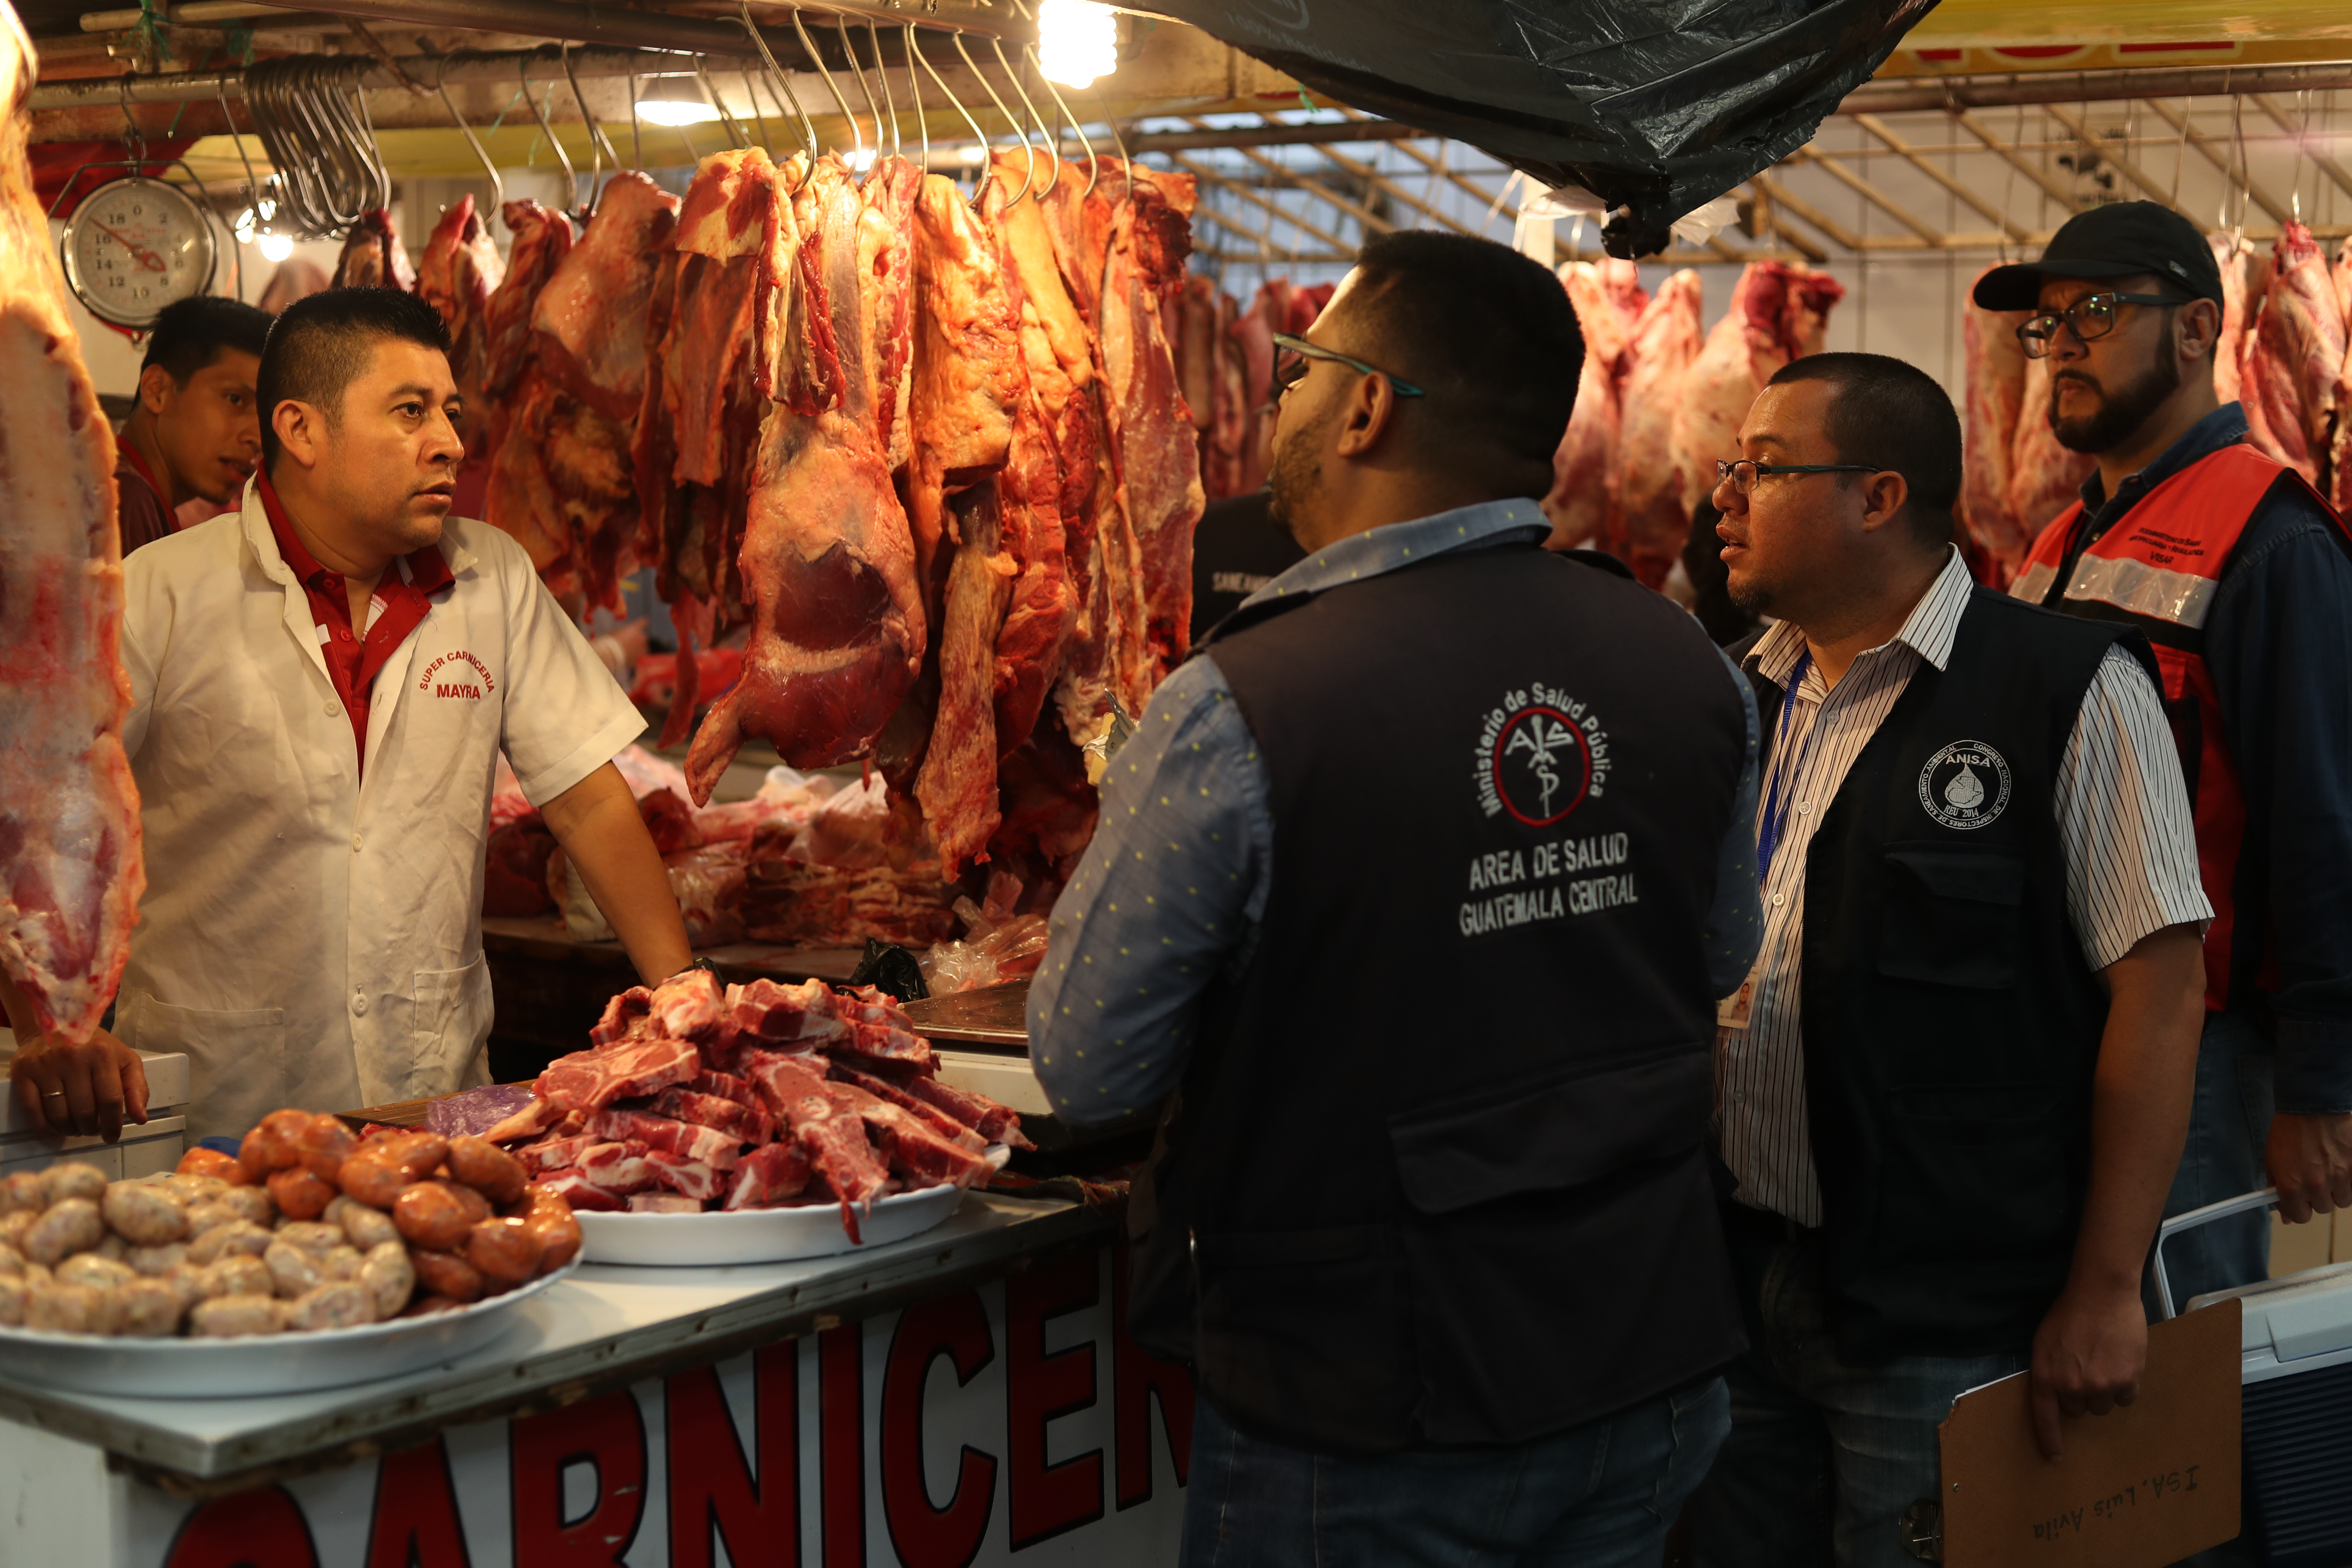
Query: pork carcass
{"type": "Point", "coordinates": [1152, 442]}
{"type": "Point", "coordinates": [561, 485]}
{"type": "Point", "coordinates": [1778, 314]}
{"type": "Point", "coordinates": [1251, 334]}
{"type": "Point", "coordinates": [2232, 253]}
{"type": "Point", "coordinates": [2294, 358]}
{"type": "Point", "coordinates": [590, 316]}
{"type": "Point", "coordinates": [1996, 392]}
{"type": "Point", "coordinates": [70, 873]}
{"type": "Point", "coordinates": [837, 630]}
{"type": "Point", "coordinates": [1666, 339]}
{"type": "Point", "coordinates": [460, 271]}
{"type": "Point", "coordinates": [372, 258]}
{"type": "Point", "coordinates": [957, 784]}
{"type": "Point", "coordinates": [2044, 477]}
{"type": "Point", "coordinates": [968, 375]}
{"type": "Point", "coordinates": [1608, 298]}
{"type": "Point", "coordinates": [543, 238]}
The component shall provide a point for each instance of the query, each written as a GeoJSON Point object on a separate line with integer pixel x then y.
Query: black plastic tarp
{"type": "Point", "coordinates": [1655, 106]}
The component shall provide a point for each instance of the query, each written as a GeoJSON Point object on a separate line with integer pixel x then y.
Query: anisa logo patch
{"type": "Point", "coordinates": [457, 674]}
{"type": "Point", "coordinates": [1541, 754]}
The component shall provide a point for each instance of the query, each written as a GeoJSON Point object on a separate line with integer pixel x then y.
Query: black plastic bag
{"type": "Point", "coordinates": [1656, 107]}
{"type": "Point", "coordinates": [891, 970]}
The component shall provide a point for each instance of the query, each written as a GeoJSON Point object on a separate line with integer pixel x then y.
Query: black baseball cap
{"type": "Point", "coordinates": [2122, 239]}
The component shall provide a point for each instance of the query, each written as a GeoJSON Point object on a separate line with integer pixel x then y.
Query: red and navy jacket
{"type": "Point", "coordinates": [2240, 575]}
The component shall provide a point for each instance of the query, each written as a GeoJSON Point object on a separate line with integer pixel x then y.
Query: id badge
{"type": "Point", "coordinates": [1732, 1012]}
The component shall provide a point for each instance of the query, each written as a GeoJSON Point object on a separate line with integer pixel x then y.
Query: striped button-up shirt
{"type": "Point", "coordinates": [2123, 816]}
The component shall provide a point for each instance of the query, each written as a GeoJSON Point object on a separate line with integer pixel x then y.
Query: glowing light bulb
{"type": "Point", "coordinates": [675, 113]}
{"type": "Point", "coordinates": [1078, 41]}
{"type": "Point", "coordinates": [862, 158]}
{"type": "Point", "coordinates": [277, 246]}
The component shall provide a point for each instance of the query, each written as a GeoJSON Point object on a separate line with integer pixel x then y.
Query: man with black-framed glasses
{"type": "Point", "coordinates": [1952, 1091]}
{"type": "Point", "coordinates": [2241, 576]}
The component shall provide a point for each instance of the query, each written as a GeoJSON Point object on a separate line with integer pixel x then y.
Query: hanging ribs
{"type": "Point", "coordinates": [70, 874]}
{"type": "Point", "coordinates": [2288, 387]}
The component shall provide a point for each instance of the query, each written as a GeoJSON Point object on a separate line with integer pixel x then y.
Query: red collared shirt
{"type": "Point", "coordinates": [142, 516]}
{"type": "Point", "coordinates": [399, 605]}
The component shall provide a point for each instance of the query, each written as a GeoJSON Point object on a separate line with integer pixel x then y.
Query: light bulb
{"type": "Point", "coordinates": [1078, 41]}
{"type": "Point", "coordinates": [674, 112]}
{"type": "Point", "coordinates": [277, 246]}
{"type": "Point", "coordinates": [862, 158]}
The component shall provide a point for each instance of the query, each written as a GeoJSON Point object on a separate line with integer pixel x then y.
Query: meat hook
{"type": "Point", "coordinates": [1028, 154]}
{"type": "Point", "coordinates": [849, 53]}
{"type": "Point", "coordinates": [1044, 135]}
{"type": "Point", "coordinates": [978, 135]}
{"type": "Point", "coordinates": [751, 97]}
{"type": "Point", "coordinates": [571, 180]}
{"type": "Point", "coordinates": [1083, 141]}
{"type": "Point", "coordinates": [597, 143]}
{"type": "Point", "coordinates": [498, 186]}
{"type": "Point", "coordinates": [735, 133]}
{"type": "Point", "coordinates": [777, 78]}
{"type": "Point", "coordinates": [915, 91]}
{"type": "Point", "coordinates": [830, 85]}
{"type": "Point", "coordinates": [898, 146]}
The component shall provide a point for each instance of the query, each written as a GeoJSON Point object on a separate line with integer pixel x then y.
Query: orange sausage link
{"type": "Point", "coordinates": [505, 1250]}
{"type": "Point", "coordinates": [298, 1193]}
{"type": "Point", "coordinates": [447, 1274]}
{"type": "Point", "coordinates": [477, 1207]}
{"type": "Point", "coordinates": [271, 1146]}
{"type": "Point", "coordinates": [419, 1154]}
{"type": "Point", "coordinates": [432, 1215]}
{"type": "Point", "coordinates": [372, 1176]}
{"type": "Point", "coordinates": [323, 1145]}
{"type": "Point", "coordinates": [486, 1168]}
{"type": "Point", "coordinates": [558, 1229]}
{"type": "Point", "coordinates": [204, 1162]}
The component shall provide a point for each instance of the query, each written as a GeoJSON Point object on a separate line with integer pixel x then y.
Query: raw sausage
{"type": "Point", "coordinates": [68, 1228]}
{"type": "Point", "coordinates": [271, 1146]}
{"type": "Point", "coordinates": [205, 1216]}
{"type": "Point", "coordinates": [194, 1190]}
{"type": "Point", "coordinates": [340, 1262]}
{"type": "Point", "coordinates": [447, 1274]}
{"type": "Point", "coordinates": [292, 1271]}
{"type": "Point", "coordinates": [373, 1175]}
{"type": "Point", "coordinates": [389, 1277]}
{"type": "Point", "coordinates": [300, 1194]}
{"type": "Point", "coordinates": [89, 1268]}
{"type": "Point", "coordinates": [144, 1215]}
{"type": "Point", "coordinates": [419, 1154]}
{"type": "Point", "coordinates": [21, 1192]}
{"type": "Point", "coordinates": [238, 1275]}
{"type": "Point", "coordinates": [558, 1229]}
{"type": "Point", "coordinates": [203, 1161]}
{"type": "Point", "coordinates": [344, 1305]}
{"type": "Point", "coordinates": [66, 1309]}
{"type": "Point", "coordinates": [61, 1182]}
{"type": "Point", "coordinates": [13, 1226]}
{"type": "Point", "coordinates": [314, 1236]}
{"type": "Point", "coordinates": [154, 1262]}
{"type": "Point", "coordinates": [239, 1239]}
{"type": "Point", "coordinates": [226, 1317]}
{"type": "Point", "coordinates": [145, 1308]}
{"type": "Point", "coordinates": [505, 1250]}
{"type": "Point", "coordinates": [12, 1262]}
{"type": "Point", "coordinates": [323, 1145]}
{"type": "Point", "coordinates": [434, 1214]}
{"type": "Point", "coordinates": [363, 1226]}
{"type": "Point", "coordinates": [486, 1168]}
{"type": "Point", "coordinates": [14, 1293]}
{"type": "Point", "coordinates": [253, 1204]}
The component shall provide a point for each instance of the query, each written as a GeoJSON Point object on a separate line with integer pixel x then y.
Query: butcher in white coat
{"type": "Point", "coordinates": [321, 685]}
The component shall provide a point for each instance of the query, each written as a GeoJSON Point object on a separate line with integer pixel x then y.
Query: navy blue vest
{"type": "Point", "coordinates": [1441, 1158]}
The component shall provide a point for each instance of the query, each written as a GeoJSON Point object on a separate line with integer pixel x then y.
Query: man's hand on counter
{"type": "Point", "coordinates": [2310, 1161]}
{"type": "Point", "coordinates": [75, 1090]}
{"type": "Point", "coordinates": [597, 822]}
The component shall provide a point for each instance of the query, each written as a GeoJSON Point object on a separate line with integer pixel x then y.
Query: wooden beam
{"type": "Point", "coordinates": [1372, 220]}
{"type": "Point", "coordinates": [1966, 120]}
{"type": "Point", "coordinates": [1367, 173]}
{"type": "Point", "coordinates": [1201, 170]}
{"type": "Point", "coordinates": [1885, 132]}
{"type": "Point", "coordinates": [2302, 135]}
{"type": "Point", "coordinates": [2160, 194]}
{"type": "Point", "coordinates": [1805, 209]}
{"type": "Point", "coordinates": [1872, 194]}
{"type": "Point", "coordinates": [2219, 158]}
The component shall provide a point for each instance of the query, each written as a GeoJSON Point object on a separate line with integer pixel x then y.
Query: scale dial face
{"type": "Point", "coordinates": [134, 246]}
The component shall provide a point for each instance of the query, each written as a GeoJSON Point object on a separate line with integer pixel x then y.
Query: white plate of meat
{"type": "Point", "coordinates": [760, 1236]}
{"type": "Point", "coordinates": [258, 1364]}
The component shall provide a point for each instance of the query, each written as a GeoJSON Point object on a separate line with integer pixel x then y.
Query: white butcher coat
{"type": "Point", "coordinates": [308, 937]}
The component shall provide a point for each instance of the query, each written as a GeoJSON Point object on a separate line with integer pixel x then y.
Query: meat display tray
{"type": "Point", "coordinates": [759, 1235]}
{"type": "Point", "coordinates": [263, 1364]}
{"type": "Point", "coordinates": [996, 1017]}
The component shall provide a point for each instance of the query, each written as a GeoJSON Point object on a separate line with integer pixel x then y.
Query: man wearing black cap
{"type": "Point", "coordinates": [2240, 575]}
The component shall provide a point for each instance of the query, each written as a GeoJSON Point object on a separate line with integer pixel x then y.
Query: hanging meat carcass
{"type": "Point", "coordinates": [70, 873]}
{"type": "Point", "coordinates": [1608, 298]}
{"type": "Point", "coordinates": [372, 258]}
{"type": "Point", "coordinates": [1666, 339]}
{"type": "Point", "coordinates": [1779, 312]}
{"type": "Point", "coordinates": [543, 238]}
{"type": "Point", "coordinates": [460, 272]}
{"type": "Point", "coordinates": [1251, 334]}
{"type": "Point", "coordinates": [1995, 370]}
{"type": "Point", "coordinates": [837, 631]}
{"type": "Point", "coordinates": [2044, 477]}
{"type": "Point", "coordinates": [2232, 253]}
{"type": "Point", "coordinates": [591, 317]}
{"type": "Point", "coordinates": [2294, 357]}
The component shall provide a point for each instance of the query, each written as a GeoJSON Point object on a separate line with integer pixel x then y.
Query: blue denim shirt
{"type": "Point", "coordinates": [1170, 892]}
{"type": "Point", "coordinates": [2278, 642]}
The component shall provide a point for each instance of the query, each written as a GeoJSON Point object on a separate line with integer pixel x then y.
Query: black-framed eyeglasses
{"type": "Point", "coordinates": [1292, 355]}
{"type": "Point", "coordinates": [2091, 316]}
{"type": "Point", "coordinates": [1741, 474]}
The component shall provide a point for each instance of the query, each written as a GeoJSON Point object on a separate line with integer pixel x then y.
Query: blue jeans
{"type": "Point", "coordinates": [1824, 1456]}
{"type": "Point", "coordinates": [1596, 1496]}
{"type": "Point", "coordinates": [2229, 1124]}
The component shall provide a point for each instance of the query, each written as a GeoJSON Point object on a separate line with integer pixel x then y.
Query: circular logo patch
{"type": "Point", "coordinates": [1542, 766]}
{"type": "Point", "coordinates": [1965, 785]}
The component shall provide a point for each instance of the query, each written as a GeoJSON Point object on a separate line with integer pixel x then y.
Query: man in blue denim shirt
{"type": "Point", "coordinates": [1431, 1217]}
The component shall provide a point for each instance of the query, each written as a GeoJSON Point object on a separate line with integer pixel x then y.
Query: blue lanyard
{"type": "Point", "coordinates": [1776, 810]}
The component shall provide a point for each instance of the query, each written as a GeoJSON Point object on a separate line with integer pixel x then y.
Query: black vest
{"type": "Point", "coordinates": [1442, 1153]}
{"type": "Point", "coordinates": [1951, 1024]}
